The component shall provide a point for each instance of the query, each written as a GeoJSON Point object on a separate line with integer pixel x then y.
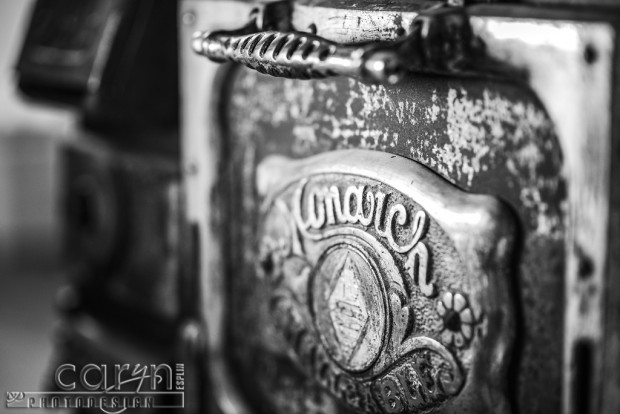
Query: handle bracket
{"type": "Point", "coordinates": [440, 41]}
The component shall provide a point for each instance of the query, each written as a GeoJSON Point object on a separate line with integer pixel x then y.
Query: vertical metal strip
{"type": "Point", "coordinates": [201, 148]}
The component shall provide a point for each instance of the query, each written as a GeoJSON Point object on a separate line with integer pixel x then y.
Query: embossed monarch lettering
{"type": "Point", "coordinates": [324, 207]}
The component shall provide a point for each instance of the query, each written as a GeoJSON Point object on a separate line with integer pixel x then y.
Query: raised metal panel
{"type": "Point", "coordinates": [389, 285]}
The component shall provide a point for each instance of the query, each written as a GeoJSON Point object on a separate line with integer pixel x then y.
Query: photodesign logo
{"type": "Point", "coordinates": [112, 389]}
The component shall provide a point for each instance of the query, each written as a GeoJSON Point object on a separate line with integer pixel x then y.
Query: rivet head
{"type": "Point", "coordinates": [188, 18]}
{"type": "Point", "coordinates": [384, 66]}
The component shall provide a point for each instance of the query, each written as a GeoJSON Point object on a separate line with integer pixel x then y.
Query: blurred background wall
{"type": "Point", "coordinates": [29, 137]}
{"type": "Point", "coordinates": [30, 242]}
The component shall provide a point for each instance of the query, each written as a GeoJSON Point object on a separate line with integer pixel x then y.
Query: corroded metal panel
{"type": "Point", "coordinates": [492, 140]}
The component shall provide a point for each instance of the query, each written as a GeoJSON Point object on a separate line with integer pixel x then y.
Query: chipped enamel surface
{"type": "Point", "coordinates": [459, 135]}
{"type": "Point", "coordinates": [354, 21]}
{"type": "Point", "coordinates": [577, 95]}
{"type": "Point", "coordinates": [478, 137]}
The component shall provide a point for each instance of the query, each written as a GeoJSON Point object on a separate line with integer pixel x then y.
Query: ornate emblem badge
{"type": "Point", "coordinates": [389, 285]}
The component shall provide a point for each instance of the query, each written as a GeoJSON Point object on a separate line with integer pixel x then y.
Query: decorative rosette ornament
{"type": "Point", "coordinates": [458, 319]}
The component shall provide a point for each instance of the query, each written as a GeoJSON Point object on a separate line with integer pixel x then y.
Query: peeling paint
{"type": "Point", "coordinates": [461, 135]}
{"type": "Point", "coordinates": [485, 137]}
{"type": "Point", "coordinates": [490, 129]}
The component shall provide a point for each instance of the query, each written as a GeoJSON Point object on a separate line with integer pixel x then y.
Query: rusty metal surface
{"type": "Point", "coordinates": [495, 141]}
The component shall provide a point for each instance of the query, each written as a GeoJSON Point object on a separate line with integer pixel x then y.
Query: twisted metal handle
{"type": "Point", "coordinates": [439, 41]}
{"type": "Point", "coordinates": [301, 55]}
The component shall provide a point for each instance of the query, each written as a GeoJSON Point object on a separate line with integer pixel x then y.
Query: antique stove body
{"type": "Point", "coordinates": [431, 231]}
{"type": "Point", "coordinates": [383, 207]}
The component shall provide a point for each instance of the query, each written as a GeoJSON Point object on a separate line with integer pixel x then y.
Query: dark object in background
{"type": "Point", "coordinates": [115, 63]}
{"type": "Point", "coordinates": [114, 59]}
{"type": "Point", "coordinates": [60, 49]}
{"type": "Point", "coordinates": [86, 343]}
{"type": "Point", "coordinates": [123, 230]}
{"type": "Point", "coordinates": [124, 301]}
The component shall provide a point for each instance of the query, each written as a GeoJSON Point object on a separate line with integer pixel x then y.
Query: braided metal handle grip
{"type": "Point", "coordinates": [301, 55]}
{"type": "Point", "coordinates": [439, 40]}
